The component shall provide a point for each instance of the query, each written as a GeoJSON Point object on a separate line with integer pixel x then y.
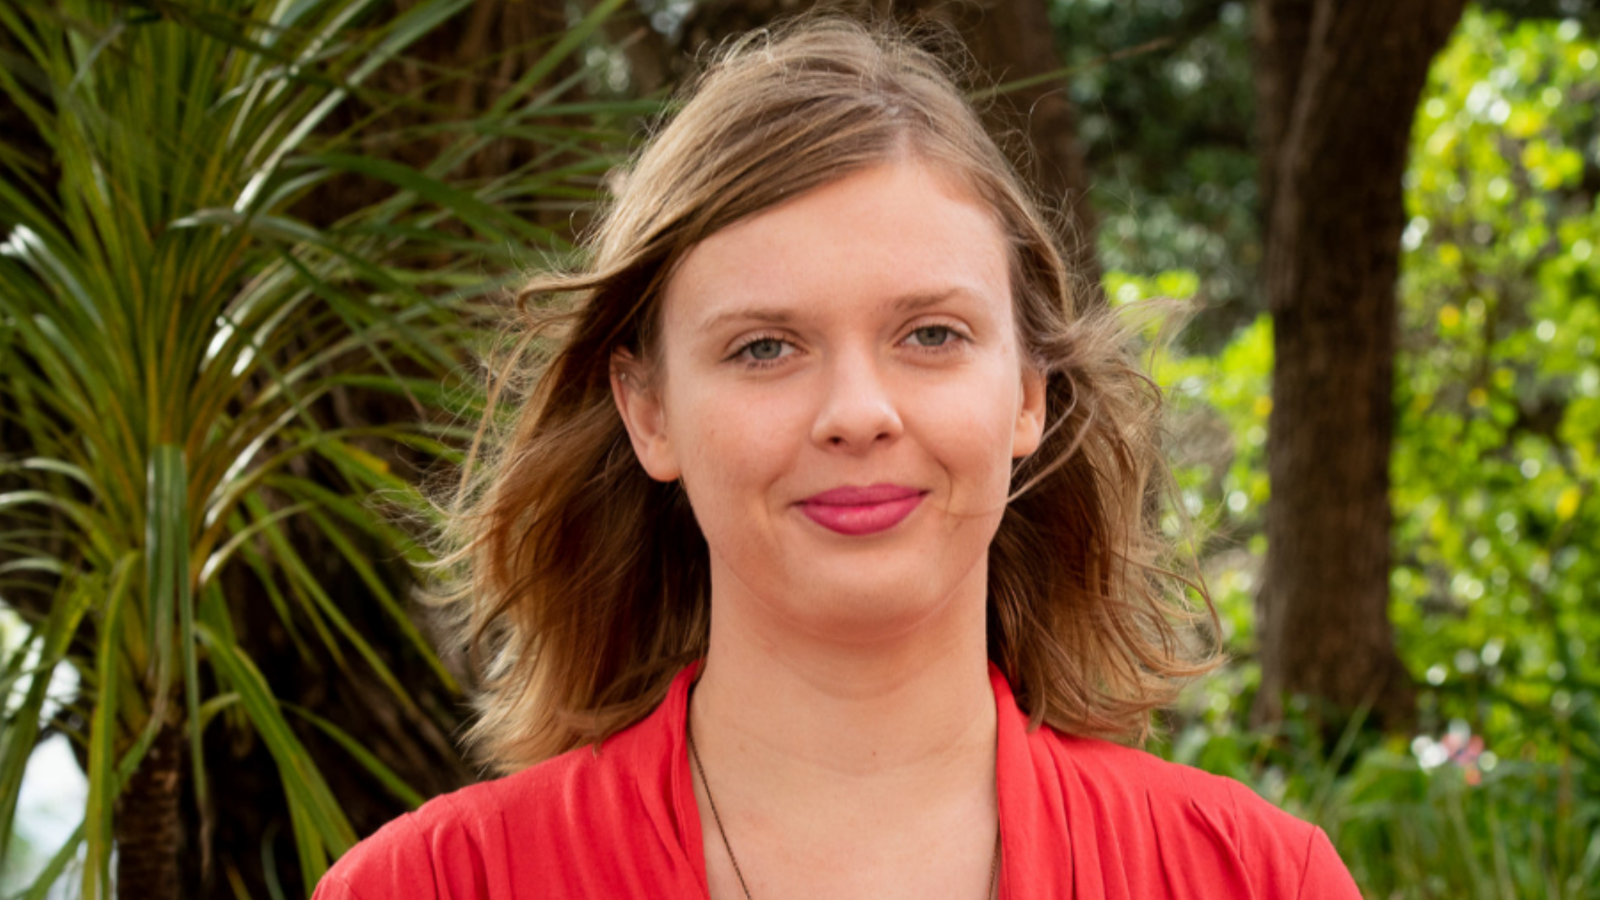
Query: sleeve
{"type": "Point", "coordinates": [1287, 858]}
{"type": "Point", "coordinates": [395, 862]}
{"type": "Point", "coordinates": [1323, 876]}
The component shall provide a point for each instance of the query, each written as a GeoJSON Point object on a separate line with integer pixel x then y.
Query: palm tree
{"type": "Point", "coordinates": [179, 326]}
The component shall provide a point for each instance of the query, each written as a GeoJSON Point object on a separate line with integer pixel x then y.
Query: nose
{"type": "Point", "coordinates": [858, 409]}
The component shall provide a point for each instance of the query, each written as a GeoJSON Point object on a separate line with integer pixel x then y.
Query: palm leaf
{"type": "Point", "coordinates": [172, 331]}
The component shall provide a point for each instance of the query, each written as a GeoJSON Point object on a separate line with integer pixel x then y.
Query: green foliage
{"type": "Point", "coordinates": [1496, 581]}
{"type": "Point", "coordinates": [173, 330]}
{"type": "Point", "coordinates": [1424, 821]}
{"type": "Point", "coordinates": [1166, 103]}
{"type": "Point", "coordinates": [1221, 404]}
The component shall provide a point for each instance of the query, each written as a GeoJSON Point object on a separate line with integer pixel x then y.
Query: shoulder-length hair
{"type": "Point", "coordinates": [581, 586]}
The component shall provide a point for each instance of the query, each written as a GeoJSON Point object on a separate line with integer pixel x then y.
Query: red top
{"type": "Point", "coordinates": [1078, 818]}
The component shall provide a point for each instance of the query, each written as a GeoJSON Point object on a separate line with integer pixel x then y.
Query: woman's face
{"type": "Point", "coordinates": [839, 387]}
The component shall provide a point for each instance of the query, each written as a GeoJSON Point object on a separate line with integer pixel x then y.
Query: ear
{"type": "Point", "coordinates": [1030, 414]}
{"type": "Point", "coordinates": [643, 416]}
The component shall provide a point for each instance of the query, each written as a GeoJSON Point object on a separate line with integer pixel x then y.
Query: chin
{"type": "Point", "coordinates": [876, 607]}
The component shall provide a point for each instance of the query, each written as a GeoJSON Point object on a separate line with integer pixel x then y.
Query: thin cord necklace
{"type": "Point", "coordinates": [994, 862]}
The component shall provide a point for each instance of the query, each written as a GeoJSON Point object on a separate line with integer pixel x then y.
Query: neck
{"type": "Point", "coordinates": [790, 710]}
{"type": "Point", "coordinates": [845, 766]}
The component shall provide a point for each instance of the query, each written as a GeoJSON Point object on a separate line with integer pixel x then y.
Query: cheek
{"type": "Point", "coordinates": [733, 446]}
{"type": "Point", "coordinates": [971, 428]}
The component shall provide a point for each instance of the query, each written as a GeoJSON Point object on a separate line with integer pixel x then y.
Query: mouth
{"type": "Point", "coordinates": [862, 510]}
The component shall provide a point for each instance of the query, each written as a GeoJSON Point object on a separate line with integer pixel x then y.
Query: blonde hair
{"type": "Point", "coordinates": [582, 586]}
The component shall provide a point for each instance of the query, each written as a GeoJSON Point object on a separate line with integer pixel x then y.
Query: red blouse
{"type": "Point", "coordinates": [1078, 818]}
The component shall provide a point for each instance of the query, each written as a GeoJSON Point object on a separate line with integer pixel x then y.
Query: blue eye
{"type": "Point", "coordinates": [764, 349]}
{"type": "Point", "coordinates": [933, 335]}
{"type": "Point", "coordinates": [763, 352]}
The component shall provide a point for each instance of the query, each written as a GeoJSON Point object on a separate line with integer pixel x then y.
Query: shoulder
{"type": "Point", "coordinates": [1128, 774]}
{"type": "Point", "coordinates": [462, 844]}
{"type": "Point", "coordinates": [1203, 825]}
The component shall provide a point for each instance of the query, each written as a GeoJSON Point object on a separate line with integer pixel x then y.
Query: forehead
{"type": "Point", "coordinates": [882, 237]}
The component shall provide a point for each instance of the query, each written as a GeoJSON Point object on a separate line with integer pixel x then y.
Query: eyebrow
{"type": "Point", "coordinates": [774, 316]}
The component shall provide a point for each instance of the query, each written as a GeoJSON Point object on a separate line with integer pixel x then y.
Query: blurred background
{"type": "Point", "coordinates": [250, 250]}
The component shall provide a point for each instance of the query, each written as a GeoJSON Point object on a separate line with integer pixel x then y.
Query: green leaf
{"type": "Point", "coordinates": [490, 221]}
{"type": "Point", "coordinates": [394, 783]}
{"type": "Point", "coordinates": [53, 870]}
{"type": "Point", "coordinates": [104, 785]}
{"type": "Point", "coordinates": [22, 733]}
{"type": "Point", "coordinates": [320, 821]}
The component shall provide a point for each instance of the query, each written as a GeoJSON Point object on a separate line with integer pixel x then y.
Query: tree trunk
{"type": "Point", "coordinates": [1338, 84]}
{"type": "Point", "coordinates": [148, 826]}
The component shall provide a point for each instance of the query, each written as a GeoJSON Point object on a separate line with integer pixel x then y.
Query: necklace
{"type": "Point", "coordinates": [994, 862]}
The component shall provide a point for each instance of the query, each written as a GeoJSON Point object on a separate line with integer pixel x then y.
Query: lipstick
{"type": "Point", "coordinates": [861, 510]}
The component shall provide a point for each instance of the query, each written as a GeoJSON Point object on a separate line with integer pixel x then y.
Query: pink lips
{"type": "Point", "coordinates": [861, 510]}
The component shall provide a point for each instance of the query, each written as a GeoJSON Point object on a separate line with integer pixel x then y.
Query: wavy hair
{"type": "Point", "coordinates": [580, 586]}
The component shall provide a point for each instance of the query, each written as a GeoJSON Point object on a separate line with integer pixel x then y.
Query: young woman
{"type": "Point", "coordinates": [817, 562]}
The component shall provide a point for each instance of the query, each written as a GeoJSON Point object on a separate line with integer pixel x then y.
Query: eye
{"type": "Point", "coordinates": [763, 351]}
{"type": "Point", "coordinates": [932, 336]}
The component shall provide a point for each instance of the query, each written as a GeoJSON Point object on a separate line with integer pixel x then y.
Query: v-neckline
{"type": "Point", "coordinates": [1013, 800]}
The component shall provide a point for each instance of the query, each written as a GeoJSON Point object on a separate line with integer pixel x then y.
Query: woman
{"type": "Point", "coordinates": [816, 563]}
